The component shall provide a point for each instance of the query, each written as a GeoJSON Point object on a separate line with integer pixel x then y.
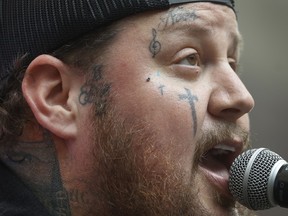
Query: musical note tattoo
{"type": "Point", "coordinates": [155, 46]}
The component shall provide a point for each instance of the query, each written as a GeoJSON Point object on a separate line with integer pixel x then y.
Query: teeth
{"type": "Point", "coordinates": [225, 148]}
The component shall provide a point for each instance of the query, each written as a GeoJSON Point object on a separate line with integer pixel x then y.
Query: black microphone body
{"type": "Point", "coordinates": [259, 179]}
{"type": "Point", "coordinates": [281, 187]}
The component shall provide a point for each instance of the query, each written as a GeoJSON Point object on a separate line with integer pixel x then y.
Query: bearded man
{"type": "Point", "coordinates": [120, 107]}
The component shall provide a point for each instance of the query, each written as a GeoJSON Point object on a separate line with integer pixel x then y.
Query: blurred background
{"type": "Point", "coordinates": [263, 68]}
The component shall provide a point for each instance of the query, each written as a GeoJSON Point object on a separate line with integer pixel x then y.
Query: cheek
{"type": "Point", "coordinates": [170, 113]}
{"type": "Point", "coordinates": [155, 105]}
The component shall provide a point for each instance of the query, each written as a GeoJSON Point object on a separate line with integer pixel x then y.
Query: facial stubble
{"type": "Point", "coordinates": [136, 176]}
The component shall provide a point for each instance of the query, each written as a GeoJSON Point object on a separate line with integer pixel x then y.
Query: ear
{"type": "Point", "coordinates": [47, 88]}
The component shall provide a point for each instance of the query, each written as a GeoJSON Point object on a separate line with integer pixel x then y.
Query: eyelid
{"type": "Point", "coordinates": [182, 68]}
{"type": "Point", "coordinates": [186, 61]}
{"type": "Point", "coordinates": [185, 53]}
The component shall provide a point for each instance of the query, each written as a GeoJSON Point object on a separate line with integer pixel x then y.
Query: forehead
{"type": "Point", "coordinates": [194, 17]}
{"type": "Point", "coordinates": [204, 16]}
{"type": "Point", "coordinates": [203, 21]}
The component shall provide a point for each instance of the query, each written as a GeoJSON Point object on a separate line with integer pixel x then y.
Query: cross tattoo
{"type": "Point", "coordinates": [191, 100]}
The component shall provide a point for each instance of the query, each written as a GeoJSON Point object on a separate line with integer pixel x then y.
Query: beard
{"type": "Point", "coordinates": [137, 176]}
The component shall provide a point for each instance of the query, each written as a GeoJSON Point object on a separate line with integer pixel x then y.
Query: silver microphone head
{"type": "Point", "coordinates": [250, 178]}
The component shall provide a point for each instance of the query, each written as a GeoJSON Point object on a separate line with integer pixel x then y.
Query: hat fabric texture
{"type": "Point", "coordinates": [35, 27]}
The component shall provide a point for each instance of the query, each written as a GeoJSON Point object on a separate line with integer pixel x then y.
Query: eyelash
{"type": "Point", "coordinates": [186, 60]}
{"type": "Point", "coordinates": [232, 62]}
{"type": "Point", "coordinates": [187, 64]}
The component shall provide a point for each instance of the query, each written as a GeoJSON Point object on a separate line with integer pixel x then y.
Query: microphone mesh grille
{"type": "Point", "coordinates": [256, 197]}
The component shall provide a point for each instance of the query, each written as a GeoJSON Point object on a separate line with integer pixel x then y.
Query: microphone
{"type": "Point", "coordinates": [259, 179]}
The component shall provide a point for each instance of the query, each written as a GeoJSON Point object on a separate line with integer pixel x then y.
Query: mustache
{"type": "Point", "coordinates": [217, 133]}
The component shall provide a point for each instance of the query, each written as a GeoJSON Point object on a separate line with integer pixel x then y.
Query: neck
{"type": "Point", "coordinates": [34, 160]}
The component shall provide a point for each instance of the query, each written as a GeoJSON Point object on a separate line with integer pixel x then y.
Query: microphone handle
{"type": "Point", "coordinates": [281, 187]}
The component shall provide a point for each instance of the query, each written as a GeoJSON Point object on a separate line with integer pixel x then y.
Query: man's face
{"type": "Point", "coordinates": [177, 113]}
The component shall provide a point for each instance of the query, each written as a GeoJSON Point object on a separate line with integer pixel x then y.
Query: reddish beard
{"type": "Point", "coordinates": [135, 177]}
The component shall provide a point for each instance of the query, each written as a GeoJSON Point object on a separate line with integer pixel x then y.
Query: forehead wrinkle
{"type": "Point", "coordinates": [205, 24]}
{"type": "Point", "coordinates": [211, 13]}
{"type": "Point", "coordinates": [195, 18]}
{"type": "Point", "coordinates": [200, 29]}
{"type": "Point", "coordinates": [187, 26]}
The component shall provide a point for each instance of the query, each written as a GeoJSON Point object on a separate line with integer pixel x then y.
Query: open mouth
{"type": "Point", "coordinates": [221, 155]}
{"type": "Point", "coordinates": [216, 162]}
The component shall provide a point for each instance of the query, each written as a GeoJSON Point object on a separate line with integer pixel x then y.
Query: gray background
{"type": "Point", "coordinates": [263, 68]}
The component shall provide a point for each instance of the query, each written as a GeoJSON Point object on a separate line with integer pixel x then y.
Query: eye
{"type": "Point", "coordinates": [187, 64]}
{"type": "Point", "coordinates": [191, 60]}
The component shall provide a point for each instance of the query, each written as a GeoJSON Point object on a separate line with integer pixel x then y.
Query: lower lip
{"type": "Point", "coordinates": [218, 176]}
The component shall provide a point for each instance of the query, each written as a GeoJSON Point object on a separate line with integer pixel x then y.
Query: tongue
{"type": "Point", "coordinates": [215, 165]}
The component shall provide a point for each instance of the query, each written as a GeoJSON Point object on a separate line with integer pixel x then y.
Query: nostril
{"type": "Point", "coordinates": [237, 106]}
{"type": "Point", "coordinates": [231, 114]}
{"type": "Point", "coordinates": [231, 110]}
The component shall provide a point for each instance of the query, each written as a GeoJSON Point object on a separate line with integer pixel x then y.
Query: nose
{"type": "Point", "coordinates": [229, 98]}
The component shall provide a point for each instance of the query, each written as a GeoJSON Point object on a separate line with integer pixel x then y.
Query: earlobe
{"type": "Point", "coordinates": [47, 86]}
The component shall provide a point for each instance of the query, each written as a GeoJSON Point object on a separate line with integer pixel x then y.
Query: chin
{"type": "Point", "coordinates": [219, 205]}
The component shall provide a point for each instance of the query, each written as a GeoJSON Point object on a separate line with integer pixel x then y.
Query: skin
{"type": "Point", "coordinates": [139, 125]}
